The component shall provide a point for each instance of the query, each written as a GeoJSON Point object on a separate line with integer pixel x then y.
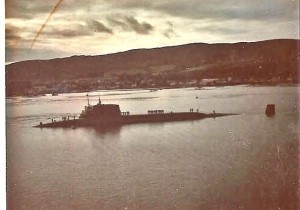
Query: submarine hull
{"type": "Point", "coordinates": [132, 119]}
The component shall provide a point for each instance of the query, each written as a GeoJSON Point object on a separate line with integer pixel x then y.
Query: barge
{"type": "Point", "coordinates": [111, 115]}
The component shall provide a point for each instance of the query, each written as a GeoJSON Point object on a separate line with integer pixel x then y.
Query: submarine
{"type": "Point", "coordinates": [111, 115]}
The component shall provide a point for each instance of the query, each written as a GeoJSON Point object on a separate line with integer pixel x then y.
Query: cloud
{"type": "Point", "coordinates": [140, 28]}
{"type": "Point", "coordinates": [217, 9]}
{"type": "Point", "coordinates": [82, 24]}
{"type": "Point", "coordinates": [170, 24]}
{"type": "Point", "coordinates": [129, 23]}
{"type": "Point", "coordinates": [11, 33]}
{"type": "Point", "coordinates": [169, 32]}
{"type": "Point", "coordinates": [97, 26]}
{"type": "Point", "coordinates": [27, 9]}
{"type": "Point", "coordinates": [75, 32]}
{"type": "Point", "coordinates": [72, 29]}
{"type": "Point", "coordinates": [28, 54]}
{"type": "Point", "coordinates": [195, 9]}
{"type": "Point", "coordinates": [221, 29]}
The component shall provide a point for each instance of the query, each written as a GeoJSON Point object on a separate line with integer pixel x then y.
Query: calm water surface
{"type": "Point", "coordinates": [246, 161]}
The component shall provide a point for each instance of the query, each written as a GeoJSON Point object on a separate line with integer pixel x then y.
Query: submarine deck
{"type": "Point", "coordinates": [134, 119]}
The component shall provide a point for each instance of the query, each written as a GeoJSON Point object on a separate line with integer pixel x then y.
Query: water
{"type": "Point", "coordinates": [246, 161]}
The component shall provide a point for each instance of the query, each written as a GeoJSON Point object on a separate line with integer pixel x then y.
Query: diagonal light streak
{"type": "Point", "coordinates": [45, 23]}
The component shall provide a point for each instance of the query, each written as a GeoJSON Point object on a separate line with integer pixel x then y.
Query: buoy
{"type": "Point", "coordinates": [270, 110]}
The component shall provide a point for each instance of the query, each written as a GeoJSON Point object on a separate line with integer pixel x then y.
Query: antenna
{"type": "Point", "coordinates": [99, 100]}
{"type": "Point", "coordinates": [88, 99]}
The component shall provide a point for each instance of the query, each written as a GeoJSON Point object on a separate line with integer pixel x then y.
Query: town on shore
{"type": "Point", "coordinates": [137, 81]}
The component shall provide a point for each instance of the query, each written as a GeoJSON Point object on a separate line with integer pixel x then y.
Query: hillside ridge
{"type": "Point", "coordinates": [263, 60]}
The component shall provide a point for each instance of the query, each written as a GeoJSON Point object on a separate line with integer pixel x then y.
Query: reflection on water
{"type": "Point", "coordinates": [246, 161]}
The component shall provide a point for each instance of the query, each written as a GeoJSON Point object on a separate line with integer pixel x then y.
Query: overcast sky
{"type": "Point", "coordinates": [93, 27]}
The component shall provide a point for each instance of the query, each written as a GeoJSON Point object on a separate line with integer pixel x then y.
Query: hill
{"type": "Point", "coordinates": [257, 61]}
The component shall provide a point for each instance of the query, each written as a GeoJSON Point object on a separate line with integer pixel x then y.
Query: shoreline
{"type": "Point", "coordinates": [160, 88]}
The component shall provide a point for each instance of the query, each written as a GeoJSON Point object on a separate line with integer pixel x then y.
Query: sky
{"type": "Point", "coordinates": [95, 27]}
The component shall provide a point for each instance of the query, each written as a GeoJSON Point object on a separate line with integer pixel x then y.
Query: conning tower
{"type": "Point", "coordinates": [101, 112]}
